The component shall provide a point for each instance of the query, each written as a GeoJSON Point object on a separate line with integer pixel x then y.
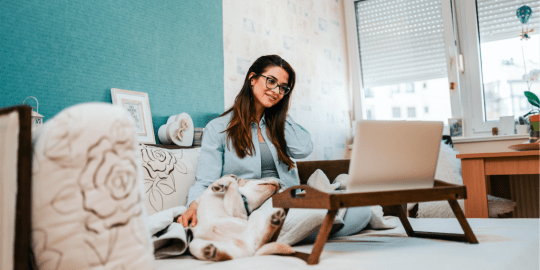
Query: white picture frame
{"type": "Point", "coordinates": [455, 126]}
{"type": "Point", "coordinates": [138, 106]}
{"type": "Point", "coordinates": [506, 125]}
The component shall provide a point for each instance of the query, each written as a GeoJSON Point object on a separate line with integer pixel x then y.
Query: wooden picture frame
{"type": "Point", "coordinates": [138, 106]}
{"type": "Point", "coordinates": [15, 187]}
{"type": "Point", "coordinates": [455, 126]}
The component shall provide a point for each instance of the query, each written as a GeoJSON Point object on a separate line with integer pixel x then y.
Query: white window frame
{"type": "Point", "coordinates": [472, 77]}
{"type": "Point", "coordinates": [460, 27]}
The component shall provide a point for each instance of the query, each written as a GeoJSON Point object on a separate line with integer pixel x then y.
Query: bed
{"type": "Point", "coordinates": [504, 244]}
{"type": "Point", "coordinates": [73, 149]}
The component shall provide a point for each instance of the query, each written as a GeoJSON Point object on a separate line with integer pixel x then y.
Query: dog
{"type": "Point", "coordinates": [224, 231]}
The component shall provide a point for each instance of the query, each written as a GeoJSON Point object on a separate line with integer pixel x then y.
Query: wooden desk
{"type": "Point", "coordinates": [477, 167]}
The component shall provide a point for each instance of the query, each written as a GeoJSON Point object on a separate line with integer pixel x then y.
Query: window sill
{"type": "Point", "coordinates": [459, 140]}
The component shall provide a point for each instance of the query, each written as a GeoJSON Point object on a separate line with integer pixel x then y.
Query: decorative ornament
{"type": "Point", "coordinates": [525, 33]}
{"type": "Point", "coordinates": [37, 119]}
{"type": "Point", "coordinates": [178, 130]}
{"type": "Point", "coordinates": [524, 14]}
{"type": "Point", "coordinates": [183, 126]}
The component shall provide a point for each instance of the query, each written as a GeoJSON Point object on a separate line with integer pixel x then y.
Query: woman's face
{"type": "Point", "coordinates": [265, 97]}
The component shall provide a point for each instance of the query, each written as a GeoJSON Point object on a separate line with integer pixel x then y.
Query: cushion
{"type": "Point", "coordinates": [87, 191]}
{"type": "Point", "coordinates": [449, 170]}
{"type": "Point", "coordinates": [168, 175]}
{"type": "Point", "coordinates": [441, 209]}
{"type": "Point", "coordinates": [448, 166]}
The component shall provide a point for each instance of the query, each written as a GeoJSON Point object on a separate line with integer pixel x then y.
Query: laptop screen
{"type": "Point", "coordinates": [394, 155]}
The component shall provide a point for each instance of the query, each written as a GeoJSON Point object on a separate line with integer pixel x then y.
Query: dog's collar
{"type": "Point", "coordinates": [245, 204]}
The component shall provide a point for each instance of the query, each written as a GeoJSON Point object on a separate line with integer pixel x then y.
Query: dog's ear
{"type": "Point", "coordinates": [241, 182]}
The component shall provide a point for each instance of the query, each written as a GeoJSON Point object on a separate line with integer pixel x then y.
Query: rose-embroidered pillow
{"type": "Point", "coordinates": [168, 175]}
{"type": "Point", "coordinates": [87, 192]}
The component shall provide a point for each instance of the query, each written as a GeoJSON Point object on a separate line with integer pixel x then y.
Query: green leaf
{"type": "Point", "coordinates": [533, 99]}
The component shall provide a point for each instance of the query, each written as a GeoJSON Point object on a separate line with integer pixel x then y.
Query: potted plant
{"type": "Point", "coordinates": [534, 116]}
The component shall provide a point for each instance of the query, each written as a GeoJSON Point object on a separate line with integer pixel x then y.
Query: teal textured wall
{"type": "Point", "coordinates": [68, 52]}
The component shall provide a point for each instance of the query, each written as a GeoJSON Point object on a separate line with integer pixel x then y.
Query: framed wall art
{"type": "Point", "coordinates": [138, 107]}
{"type": "Point", "coordinates": [456, 127]}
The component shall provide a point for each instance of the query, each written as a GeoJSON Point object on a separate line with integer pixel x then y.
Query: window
{"type": "Point", "coordinates": [496, 61]}
{"type": "Point", "coordinates": [411, 112]}
{"type": "Point", "coordinates": [409, 88]}
{"type": "Point", "coordinates": [400, 48]}
{"type": "Point", "coordinates": [396, 112]}
{"type": "Point", "coordinates": [430, 46]}
{"type": "Point", "coordinates": [524, 103]}
{"type": "Point", "coordinates": [505, 56]}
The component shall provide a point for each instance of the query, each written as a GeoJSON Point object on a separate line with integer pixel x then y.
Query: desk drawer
{"type": "Point", "coordinates": [512, 165]}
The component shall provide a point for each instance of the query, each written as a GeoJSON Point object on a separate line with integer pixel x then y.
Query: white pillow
{"type": "Point", "coordinates": [449, 170]}
{"type": "Point", "coordinates": [441, 209]}
{"type": "Point", "coordinates": [448, 166]}
{"type": "Point", "coordinates": [87, 192]}
{"type": "Point", "coordinates": [168, 174]}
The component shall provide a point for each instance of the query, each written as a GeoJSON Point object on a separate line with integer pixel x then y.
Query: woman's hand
{"type": "Point", "coordinates": [189, 216]}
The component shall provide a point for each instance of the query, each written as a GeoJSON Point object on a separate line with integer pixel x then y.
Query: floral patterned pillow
{"type": "Point", "coordinates": [87, 192]}
{"type": "Point", "coordinates": [168, 174]}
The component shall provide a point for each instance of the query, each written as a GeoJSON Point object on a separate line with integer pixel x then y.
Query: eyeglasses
{"type": "Point", "coordinates": [272, 83]}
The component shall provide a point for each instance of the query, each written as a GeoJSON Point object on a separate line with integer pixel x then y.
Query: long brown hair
{"type": "Point", "coordinates": [243, 111]}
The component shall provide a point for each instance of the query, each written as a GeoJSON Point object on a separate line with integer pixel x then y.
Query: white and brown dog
{"type": "Point", "coordinates": [223, 230]}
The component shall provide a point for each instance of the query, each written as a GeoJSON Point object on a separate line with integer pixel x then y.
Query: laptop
{"type": "Point", "coordinates": [394, 155]}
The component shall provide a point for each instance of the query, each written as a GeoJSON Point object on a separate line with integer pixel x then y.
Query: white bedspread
{"type": "Point", "coordinates": [504, 244]}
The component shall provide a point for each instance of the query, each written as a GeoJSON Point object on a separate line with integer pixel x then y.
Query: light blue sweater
{"type": "Point", "coordinates": [217, 160]}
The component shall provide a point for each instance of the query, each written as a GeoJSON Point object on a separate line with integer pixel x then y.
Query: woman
{"type": "Point", "coordinates": [255, 138]}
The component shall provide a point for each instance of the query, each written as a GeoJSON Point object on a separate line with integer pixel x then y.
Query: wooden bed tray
{"type": "Point", "coordinates": [315, 199]}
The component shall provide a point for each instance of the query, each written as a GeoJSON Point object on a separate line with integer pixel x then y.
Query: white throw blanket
{"type": "Point", "coordinates": [169, 237]}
